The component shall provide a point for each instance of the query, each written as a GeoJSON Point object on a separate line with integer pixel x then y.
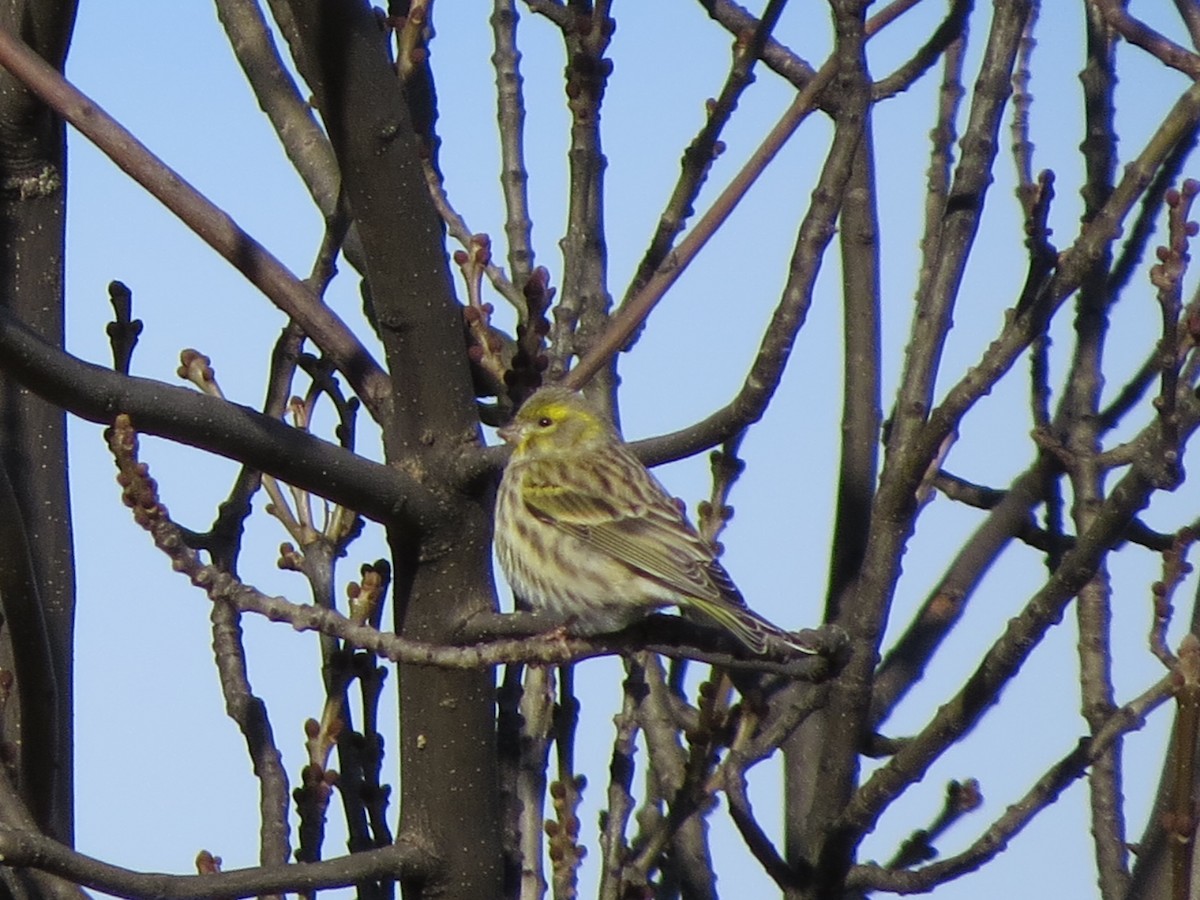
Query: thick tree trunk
{"type": "Point", "coordinates": [447, 719]}
{"type": "Point", "coordinates": [37, 578]}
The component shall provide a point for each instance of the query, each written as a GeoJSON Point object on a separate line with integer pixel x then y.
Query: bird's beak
{"type": "Point", "coordinates": [508, 433]}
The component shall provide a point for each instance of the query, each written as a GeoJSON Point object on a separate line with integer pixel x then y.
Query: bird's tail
{"type": "Point", "coordinates": [751, 629]}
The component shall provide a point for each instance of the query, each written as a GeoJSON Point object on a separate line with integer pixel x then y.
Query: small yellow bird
{"type": "Point", "coordinates": [586, 533]}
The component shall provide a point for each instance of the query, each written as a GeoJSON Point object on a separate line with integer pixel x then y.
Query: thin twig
{"type": "Point", "coordinates": [613, 845]}
{"type": "Point", "coordinates": [699, 155]}
{"type": "Point", "coordinates": [961, 798]}
{"type": "Point", "coordinates": [747, 825]}
{"type": "Point", "coordinates": [250, 714]}
{"type": "Point", "coordinates": [948, 33]}
{"type": "Point", "coordinates": [457, 228]}
{"type": "Point", "coordinates": [510, 104]}
{"type": "Point", "coordinates": [634, 311]}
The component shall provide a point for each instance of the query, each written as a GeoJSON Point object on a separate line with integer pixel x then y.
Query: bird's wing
{"type": "Point", "coordinates": [638, 524]}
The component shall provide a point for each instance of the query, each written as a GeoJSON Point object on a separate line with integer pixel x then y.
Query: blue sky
{"type": "Point", "coordinates": [162, 772]}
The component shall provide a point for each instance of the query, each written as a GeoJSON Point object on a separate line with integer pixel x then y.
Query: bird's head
{"type": "Point", "coordinates": [556, 420]}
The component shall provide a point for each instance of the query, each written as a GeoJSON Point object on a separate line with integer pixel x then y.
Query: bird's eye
{"type": "Point", "coordinates": [545, 422]}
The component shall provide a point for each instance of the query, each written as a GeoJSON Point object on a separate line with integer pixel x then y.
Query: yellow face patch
{"type": "Point", "coordinates": [557, 425]}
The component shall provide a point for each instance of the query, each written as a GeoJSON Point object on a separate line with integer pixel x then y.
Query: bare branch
{"type": "Point", "coordinates": [956, 233]}
{"type": "Point", "coordinates": [457, 228]}
{"type": "Point", "coordinates": [635, 310]}
{"type": "Point", "coordinates": [554, 10]}
{"type": "Point", "coordinates": [789, 315]}
{"type": "Point", "coordinates": [215, 227]}
{"type": "Point", "coordinates": [1079, 424]}
{"type": "Point", "coordinates": [1073, 265]}
{"type": "Point", "coordinates": [612, 841]}
{"type": "Point", "coordinates": [747, 825]}
{"type": "Point", "coordinates": [858, 466]}
{"type": "Point", "coordinates": [699, 155]}
{"type": "Point", "coordinates": [1190, 13]}
{"type": "Point", "coordinates": [581, 315]}
{"type": "Point", "coordinates": [906, 661]}
{"type": "Point", "coordinates": [510, 103]}
{"type": "Point", "coordinates": [250, 714]}
{"type": "Point", "coordinates": [1142, 35]}
{"type": "Point", "coordinates": [961, 798]}
{"type": "Point", "coordinates": [777, 57]}
{"type": "Point", "coordinates": [278, 96]}
{"type": "Point", "coordinates": [1074, 765]}
{"type": "Point", "coordinates": [951, 30]}
{"type": "Point", "coordinates": [536, 712]}
{"type": "Point", "coordinates": [26, 849]}
{"type": "Point", "coordinates": [1003, 660]}
{"type": "Point", "coordinates": [227, 429]}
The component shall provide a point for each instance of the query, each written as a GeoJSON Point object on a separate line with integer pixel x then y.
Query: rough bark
{"type": "Point", "coordinates": [36, 565]}
{"type": "Point", "coordinates": [447, 724]}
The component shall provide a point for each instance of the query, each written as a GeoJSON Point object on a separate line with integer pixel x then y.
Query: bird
{"type": "Point", "coordinates": [585, 533]}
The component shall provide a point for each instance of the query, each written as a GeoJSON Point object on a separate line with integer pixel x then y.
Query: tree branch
{"type": "Point", "coordinates": [905, 662]}
{"type": "Point", "coordinates": [778, 58]}
{"type": "Point", "coordinates": [749, 40]}
{"type": "Point", "coordinates": [581, 316]}
{"type": "Point", "coordinates": [26, 849]}
{"type": "Point", "coordinates": [1142, 35]}
{"type": "Point", "coordinates": [1021, 328]}
{"type": "Point", "coordinates": [510, 110]}
{"type": "Point", "coordinates": [227, 429]}
{"type": "Point", "coordinates": [214, 226]}
{"type": "Point", "coordinates": [302, 139]}
{"type": "Point", "coordinates": [1024, 632]}
{"type": "Point", "coordinates": [1074, 765]}
{"type": "Point", "coordinates": [957, 227]}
